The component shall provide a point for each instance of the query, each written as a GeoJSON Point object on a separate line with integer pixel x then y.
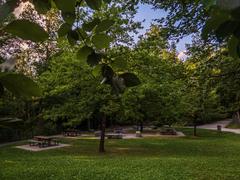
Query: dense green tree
{"type": "Point", "coordinates": [157, 100]}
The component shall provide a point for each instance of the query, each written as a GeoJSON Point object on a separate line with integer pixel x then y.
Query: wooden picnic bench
{"type": "Point", "coordinates": [37, 143]}
{"type": "Point", "coordinates": [43, 141]}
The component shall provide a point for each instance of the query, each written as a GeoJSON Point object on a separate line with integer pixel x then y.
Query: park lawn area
{"type": "Point", "coordinates": [212, 155]}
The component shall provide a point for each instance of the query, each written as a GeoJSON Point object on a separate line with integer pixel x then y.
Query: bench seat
{"type": "Point", "coordinates": [37, 143]}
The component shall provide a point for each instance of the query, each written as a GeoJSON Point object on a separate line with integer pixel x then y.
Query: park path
{"type": "Point", "coordinates": [224, 123]}
{"type": "Point", "coordinates": [10, 143]}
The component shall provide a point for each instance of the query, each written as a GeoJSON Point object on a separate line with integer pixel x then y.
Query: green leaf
{"type": "Point", "coordinates": [66, 5]}
{"type": "Point", "coordinates": [226, 29]}
{"type": "Point", "coordinates": [107, 71]}
{"type": "Point", "coordinates": [93, 59]}
{"type": "Point", "coordinates": [6, 9]}
{"type": "Point", "coordinates": [218, 18]}
{"type": "Point", "coordinates": [84, 52]}
{"type": "Point", "coordinates": [236, 13]}
{"type": "Point", "coordinates": [233, 45]}
{"type": "Point", "coordinates": [42, 6]}
{"type": "Point", "coordinates": [69, 17]}
{"type": "Point", "coordinates": [89, 26]}
{"type": "Point", "coordinates": [237, 32]}
{"type": "Point", "coordinates": [104, 25]}
{"type": "Point", "coordinates": [83, 35]}
{"type": "Point", "coordinates": [27, 30]}
{"type": "Point", "coordinates": [64, 29]}
{"type": "Point", "coordinates": [72, 37]}
{"type": "Point", "coordinates": [97, 70]}
{"type": "Point", "coordinates": [20, 85]}
{"type": "Point", "coordinates": [130, 79]}
{"type": "Point", "coordinates": [94, 4]}
{"type": "Point", "coordinates": [101, 41]}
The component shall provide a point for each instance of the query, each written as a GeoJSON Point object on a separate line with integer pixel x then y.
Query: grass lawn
{"type": "Point", "coordinates": [233, 126]}
{"type": "Point", "coordinates": [209, 156]}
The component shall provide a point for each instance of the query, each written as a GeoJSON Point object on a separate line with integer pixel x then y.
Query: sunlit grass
{"type": "Point", "coordinates": [212, 155]}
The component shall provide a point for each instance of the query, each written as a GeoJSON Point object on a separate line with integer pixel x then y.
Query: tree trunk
{"type": "Point", "coordinates": [89, 125]}
{"type": "Point", "coordinates": [141, 126]}
{"type": "Point", "coordinates": [102, 138]}
{"type": "Point", "coordinates": [236, 118]}
{"type": "Point", "coordinates": [195, 129]}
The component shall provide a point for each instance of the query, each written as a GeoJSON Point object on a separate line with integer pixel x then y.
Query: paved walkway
{"type": "Point", "coordinates": [213, 126]}
{"type": "Point", "coordinates": [10, 143]}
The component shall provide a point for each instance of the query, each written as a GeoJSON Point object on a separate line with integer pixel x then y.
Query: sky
{"type": "Point", "coordinates": [145, 12]}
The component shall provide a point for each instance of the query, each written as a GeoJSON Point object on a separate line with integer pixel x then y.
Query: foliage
{"type": "Point", "coordinates": [19, 85]}
{"type": "Point", "coordinates": [158, 98]}
{"type": "Point", "coordinates": [186, 17]}
{"type": "Point", "coordinates": [224, 24]}
{"type": "Point", "coordinates": [26, 30]}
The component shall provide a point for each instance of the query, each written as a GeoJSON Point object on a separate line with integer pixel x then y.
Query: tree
{"type": "Point", "coordinates": [158, 98]}
{"type": "Point", "coordinates": [90, 34]}
{"type": "Point", "coordinates": [186, 17]}
{"type": "Point", "coordinates": [202, 69]}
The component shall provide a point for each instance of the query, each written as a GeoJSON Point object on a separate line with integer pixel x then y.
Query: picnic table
{"type": "Point", "coordinates": [43, 141]}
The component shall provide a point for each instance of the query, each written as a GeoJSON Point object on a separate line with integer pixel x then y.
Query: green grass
{"type": "Point", "coordinates": [212, 156]}
{"type": "Point", "coordinates": [233, 126]}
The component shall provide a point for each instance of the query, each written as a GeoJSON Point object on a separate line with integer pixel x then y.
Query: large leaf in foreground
{"type": "Point", "coordinates": [73, 37]}
{"type": "Point", "coordinates": [27, 30]}
{"type": "Point", "coordinates": [101, 41]}
{"type": "Point", "coordinates": [89, 26]}
{"type": "Point", "coordinates": [214, 23]}
{"type": "Point", "coordinates": [94, 59]}
{"type": "Point", "coordinates": [84, 52]}
{"type": "Point", "coordinates": [94, 4]}
{"type": "Point", "coordinates": [64, 29]}
{"type": "Point", "coordinates": [20, 85]}
{"type": "Point", "coordinates": [66, 5]}
{"type": "Point", "coordinates": [104, 25]}
{"type": "Point", "coordinates": [130, 79]}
